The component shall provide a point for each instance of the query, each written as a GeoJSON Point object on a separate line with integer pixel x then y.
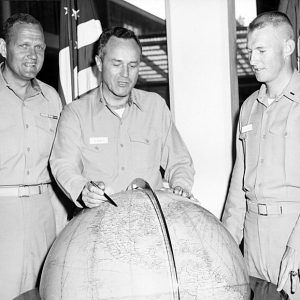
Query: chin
{"type": "Point", "coordinates": [123, 93]}
{"type": "Point", "coordinates": [260, 78]}
{"type": "Point", "coordinates": [29, 76]}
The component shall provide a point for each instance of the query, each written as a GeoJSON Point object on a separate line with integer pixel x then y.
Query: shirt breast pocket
{"type": "Point", "coordinates": [99, 159]}
{"type": "Point", "coordinates": [45, 130]}
{"type": "Point", "coordinates": [278, 128]}
{"type": "Point", "coordinates": [145, 149]}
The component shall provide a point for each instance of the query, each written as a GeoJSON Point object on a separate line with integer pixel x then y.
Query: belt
{"type": "Point", "coordinates": [23, 190]}
{"type": "Point", "coordinates": [273, 209]}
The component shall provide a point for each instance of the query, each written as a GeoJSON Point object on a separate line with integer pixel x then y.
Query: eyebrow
{"type": "Point", "coordinates": [260, 47]}
{"type": "Point", "coordinates": [257, 47]}
{"type": "Point", "coordinates": [120, 60]}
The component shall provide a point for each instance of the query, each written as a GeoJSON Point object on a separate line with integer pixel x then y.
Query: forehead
{"type": "Point", "coordinates": [119, 48]}
{"type": "Point", "coordinates": [266, 36]}
{"type": "Point", "coordinates": [26, 31]}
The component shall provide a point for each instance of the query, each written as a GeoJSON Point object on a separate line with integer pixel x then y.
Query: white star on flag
{"type": "Point", "coordinates": [75, 13]}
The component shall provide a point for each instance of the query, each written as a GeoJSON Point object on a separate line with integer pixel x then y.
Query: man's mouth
{"type": "Point", "coordinates": [123, 83]}
{"type": "Point", "coordinates": [256, 70]}
{"type": "Point", "coordinates": [30, 65]}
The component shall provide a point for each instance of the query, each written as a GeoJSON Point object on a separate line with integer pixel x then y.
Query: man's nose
{"type": "Point", "coordinates": [125, 71]}
{"type": "Point", "coordinates": [32, 52]}
{"type": "Point", "coordinates": [252, 58]}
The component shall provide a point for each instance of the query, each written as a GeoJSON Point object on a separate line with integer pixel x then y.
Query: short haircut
{"type": "Point", "coordinates": [275, 19]}
{"type": "Point", "coordinates": [119, 32]}
{"type": "Point", "coordinates": [20, 18]}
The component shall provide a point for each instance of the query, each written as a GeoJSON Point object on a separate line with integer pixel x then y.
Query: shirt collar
{"type": "Point", "coordinates": [135, 99]}
{"type": "Point", "coordinates": [291, 91]}
{"type": "Point", "coordinates": [34, 83]}
{"type": "Point", "coordinates": [3, 83]}
{"type": "Point", "coordinates": [132, 100]}
{"type": "Point", "coordinates": [262, 95]}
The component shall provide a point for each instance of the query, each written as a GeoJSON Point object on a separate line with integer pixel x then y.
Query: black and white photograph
{"type": "Point", "coordinates": [150, 150]}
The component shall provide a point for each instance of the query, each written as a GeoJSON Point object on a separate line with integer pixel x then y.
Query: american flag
{"type": "Point", "coordinates": [79, 29]}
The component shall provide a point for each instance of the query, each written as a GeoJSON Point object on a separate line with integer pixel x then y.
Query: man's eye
{"type": "Point", "coordinates": [39, 47]}
{"type": "Point", "coordinates": [24, 46]}
{"type": "Point", "coordinates": [116, 64]}
{"type": "Point", "coordinates": [133, 65]}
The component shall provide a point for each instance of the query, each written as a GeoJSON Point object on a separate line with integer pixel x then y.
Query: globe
{"type": "Point", "coordinates": [151, 246]}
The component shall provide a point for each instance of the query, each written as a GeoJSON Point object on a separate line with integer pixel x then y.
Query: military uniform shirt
{"type": "Point", "coordinates": [95, 143]}
{"type": "Point", "coordinates": [267, 167]}
{"type": "Point", "coordinates": [27, 130]}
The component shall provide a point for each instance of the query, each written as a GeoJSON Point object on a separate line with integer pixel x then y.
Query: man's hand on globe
{"type": "Point", "coordinates": [178, 190]}
{"type": "Point", "coordinates": [93, 194]}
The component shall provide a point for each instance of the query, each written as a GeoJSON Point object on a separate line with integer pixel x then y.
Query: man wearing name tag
{"type": "Point", "coordinates": [117, 133]}
{"type": "Point", "coordinates": [263, 203]}
{"type": "Point", "coordinates": [29, 111]}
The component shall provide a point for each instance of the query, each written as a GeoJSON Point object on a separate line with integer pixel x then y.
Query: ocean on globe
{"type": "Point", "coordinates": [150, 247]}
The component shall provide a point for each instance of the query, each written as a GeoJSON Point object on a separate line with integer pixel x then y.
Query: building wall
{"type": "Point", "coordinates": [202, 90]}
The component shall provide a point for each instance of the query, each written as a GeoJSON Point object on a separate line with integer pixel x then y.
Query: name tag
{"type": "Point", "coordinates": [49, 116]}
{"type": "Point", "coordinates": [98, 140]}
{"type": "Point", "coordinates": [247, 128]}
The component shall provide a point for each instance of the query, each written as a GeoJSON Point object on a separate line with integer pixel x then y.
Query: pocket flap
{"type": "Point", "coordinates": [141, 137]}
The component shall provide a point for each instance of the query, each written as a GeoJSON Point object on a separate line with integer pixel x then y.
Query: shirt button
{"type": "Point", "coordinates": [261, 160]}
{"type": "Point", "coordinates": [264, 136]}
{"type": "Point", "coordinates": [121, 145]}
{"type": "Point", "coordinates": [285, 134]}
{"type": "Point", "coordinates": [27, 172]}
{"type": "Point", "coordinates": [26, 126]}
{"type": "Point", "coordinates": [28, 149]}
{"type": "Point", "coordinates": [122, 168]}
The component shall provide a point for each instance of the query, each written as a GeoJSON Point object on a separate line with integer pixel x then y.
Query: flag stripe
{"type": "Point", "coordinates": [86, 57]}
{"type": "Point", "coordinates": [65, 74]}
{"type": "Point", "coordinates": [93, 28]}
{"type": "Point", "coordinates": [80, 28]}
{"type": "Point", "coordinates": [88, 80]}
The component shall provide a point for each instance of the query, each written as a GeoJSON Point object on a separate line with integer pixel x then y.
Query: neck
{"type": "Point", "coordinates": [276, 87]}
{"type": "Point", "coordinates": [114, 101]}
{"type": "Point", "coordinates": [20, 87]}
{"type": "Point", "coordinates": [119, 106]}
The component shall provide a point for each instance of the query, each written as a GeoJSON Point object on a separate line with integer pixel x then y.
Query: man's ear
{"type": "Point", "coordinates": [289, 47]}
{"type": "Point", "coordinates": [3, 47]}
{"type": "Point", "coordinates": [98, 62]}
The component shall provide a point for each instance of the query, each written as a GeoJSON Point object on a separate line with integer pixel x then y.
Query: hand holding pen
{"type": "Point", "coordinates": [94, 194]}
